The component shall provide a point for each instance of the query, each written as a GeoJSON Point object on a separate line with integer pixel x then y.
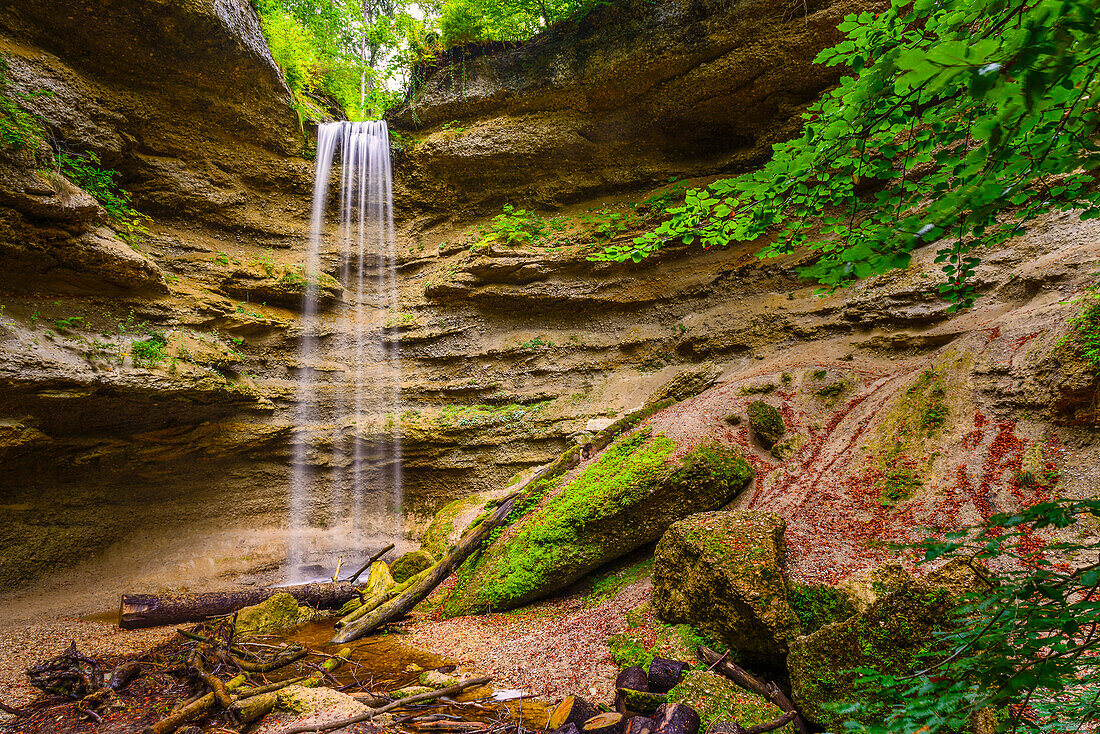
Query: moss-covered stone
{"type": "Point", "coordinates": [687, 383]}
{"type": "Point", "coordinates": [788, 447]}
{"type": "Point", "coordinates": [627, 498]}
{"type": "Point", "coordinates": [718, 699]}
{"type": "Point", "coordinates": [723, 572]}
{"type": "Point", "coordinates": [766, 422]}
{"type": "Point", "coordinates": [279, 612]}
{"type": "Point", "coordinates": [899, 622]}
{"type": "Point", "coordinates": [410, 564]}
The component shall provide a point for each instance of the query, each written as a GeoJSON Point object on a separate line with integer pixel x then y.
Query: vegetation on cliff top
{"type": "Point", "coordinates": [964, 120]}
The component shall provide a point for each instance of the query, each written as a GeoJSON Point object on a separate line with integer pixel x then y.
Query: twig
{"type": "Point", "coordinates": [456, 688]}
{"type": "Point", "coordinates": [369, 563]}
{"type": "Point", "coordinates": [12, 710]}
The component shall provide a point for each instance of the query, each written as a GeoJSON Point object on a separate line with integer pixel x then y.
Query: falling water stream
{"type": "Point", "coordinates": [345, 491]}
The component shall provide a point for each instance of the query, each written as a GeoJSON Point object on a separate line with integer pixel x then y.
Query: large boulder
{"type": "Point", "coordinates": [717, 699]}
{"type": "Point", "coordinates": [724, 572]}
{"type": "Point", "coordinates": [899, 617]}
{"type": "Point", "coordinates": [625, 499]}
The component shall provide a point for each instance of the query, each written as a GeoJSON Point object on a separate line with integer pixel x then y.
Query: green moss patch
{"type": "Point", "coordinates": [889, 636]}
{"type": "Point", "coordinates": [818, 605]}
{"type": "Point", "coordinates": [647, 637]}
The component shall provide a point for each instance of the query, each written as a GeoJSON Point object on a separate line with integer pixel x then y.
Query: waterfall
{"type": "Point", "coordinates": [351, 497]}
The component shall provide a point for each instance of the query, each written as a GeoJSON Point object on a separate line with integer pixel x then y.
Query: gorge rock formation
{"type": "Point", "coordinates": [508, 352]}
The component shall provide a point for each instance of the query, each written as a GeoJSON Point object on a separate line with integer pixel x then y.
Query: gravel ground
{"type": "Point", "coordinates": [27, 643]}
{"type": "Point", "coordinates": [552, 649]}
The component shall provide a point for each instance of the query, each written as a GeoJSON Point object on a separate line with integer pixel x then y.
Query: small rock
{"type": "Point", "coordinates": [436, 680]}
{"type": "Point", "coordinates": [766, 422]}
{"type": "Point", "coordinates": [788, 447]}
{"type": "Point", "coordinates": [411, 691]}
{"type": "Point", "coordinates": [687, 383]}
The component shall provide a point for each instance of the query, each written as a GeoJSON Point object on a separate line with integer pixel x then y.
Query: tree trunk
{"type": "Point", "coordinates": [640, 725]}
{"type": "Point", "coordinates": [604, 724]}
{"type": "Point", "coordinates": [154, 610]}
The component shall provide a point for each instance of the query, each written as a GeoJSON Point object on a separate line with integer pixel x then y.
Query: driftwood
{"type": "Point", "coordinates": [155, 610]}
{"type": "Point", "coordinates": [429, 696]}
{"type": "Point", "coordinates": [665, 674]}
{"type": "Point", "coordinates": [403, 603]}
{"type": "Point", "coordinates": [191, 712]}
{"type": "Point", "coordinates": [770, 691]}
{"type": "Point", "coordinates": [369, 605]}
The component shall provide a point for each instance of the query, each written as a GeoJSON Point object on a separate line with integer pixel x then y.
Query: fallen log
{"type": "Point", "coordinates": [604, 724]}
{"type": "Point", "coordinates": [640, 725]}
{"type": "Point", "coordinates": [378, 600]}
{"type": "Point", "coordinates": [403, 603]}
{"type": "Point", "coordinates": [749, 682]}
{"type": "Point", "coordinates": [154, 610]}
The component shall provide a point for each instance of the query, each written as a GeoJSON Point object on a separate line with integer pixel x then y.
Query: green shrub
{"type": "Point", "coordinates": [461, 23]}
{"type": "Point", "coordinates": [148, 351]}
{"type": "Point", "coordinates": [513, 227]}
{"type": "Point", "coordinates": [86, 171]}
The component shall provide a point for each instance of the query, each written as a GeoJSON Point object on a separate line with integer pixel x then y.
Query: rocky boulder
{"type": "Point", "coordinates": [724, 572]}
{"type": "Point", "coordinates": [900, 617]}
{"type": "Point", "coordinates": [627, 498]}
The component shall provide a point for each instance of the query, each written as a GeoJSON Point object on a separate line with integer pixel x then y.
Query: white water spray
{"type": "Point", "coordinates": [352, 496]}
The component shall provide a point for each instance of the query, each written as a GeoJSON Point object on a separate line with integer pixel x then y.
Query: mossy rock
{"type": "Point", "coordinates": [379, 580]}
{"type": "Point", "coordinates": [628, 497]}
{"type": "Point", "coordinates": [277, 613]}
{"type": "Point", "coordinates": [788, 447]}
{"type": "Point", "coordinates": [900, 622]}
{"type": "Point", "coordinates": [410, 564]}
{"type": "Point", "coordinates": [719, 699]}
{"type": "Point", "coordinates": [766, 422]}
{"type": "Point", "coordinates": [304, 701]}
{"type": "Point", "coordinates": [723, 572]}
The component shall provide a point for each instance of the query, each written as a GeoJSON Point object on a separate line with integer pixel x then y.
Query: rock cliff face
{"type": "Point", "coordinates": [633, 94]}
{"type": "Point", "coordinates": [177, 460]}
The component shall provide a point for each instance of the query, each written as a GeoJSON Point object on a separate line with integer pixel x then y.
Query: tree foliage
{"type": "Point", "coordinates": [964, 120]}
{"type": "Point", "coordinates": [1027, 648]}
{"type": "Point", "coordinates": [353, 53]}
{"type": "Point", "coordinates": [465, 21]}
